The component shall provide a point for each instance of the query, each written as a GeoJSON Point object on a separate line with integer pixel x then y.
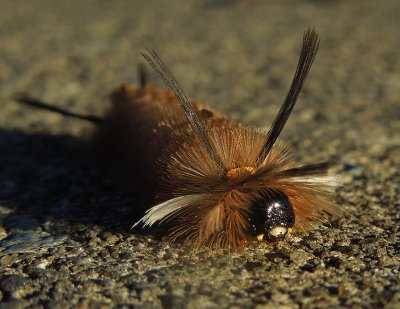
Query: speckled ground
{"type": "Point", "coordinates": [65, 238]}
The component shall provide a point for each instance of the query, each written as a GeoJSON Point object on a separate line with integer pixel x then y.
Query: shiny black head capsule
{"type": "Point", "coordinates": [271, 216]}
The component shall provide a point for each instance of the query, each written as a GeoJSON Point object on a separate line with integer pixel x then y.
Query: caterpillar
{"type": "Point", "coordinates": [212, 180]}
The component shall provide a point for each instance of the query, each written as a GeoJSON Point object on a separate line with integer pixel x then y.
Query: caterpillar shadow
{"type": "Point", "coordinates": [50, 178]}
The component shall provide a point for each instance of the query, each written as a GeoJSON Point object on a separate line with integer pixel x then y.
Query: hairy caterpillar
{"type": "Point", "coordinates": [213, 180]}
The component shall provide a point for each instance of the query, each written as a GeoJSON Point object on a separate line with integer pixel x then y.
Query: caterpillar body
{"type": "Point", "coordinates": [213, 180]}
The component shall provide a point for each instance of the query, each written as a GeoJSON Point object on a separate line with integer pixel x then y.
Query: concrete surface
{"type": "Point", "coordinates": [65, 238]}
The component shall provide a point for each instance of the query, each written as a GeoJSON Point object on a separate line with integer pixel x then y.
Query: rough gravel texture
{"type": "Point", "coordinates": [65, 238]}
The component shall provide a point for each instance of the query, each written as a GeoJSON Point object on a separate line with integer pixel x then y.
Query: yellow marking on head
{"type": "Point", "coordinates": [236, 174]}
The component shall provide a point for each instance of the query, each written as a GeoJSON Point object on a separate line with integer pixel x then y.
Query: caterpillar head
{"type": "Point", "coordinates": [272, 216]}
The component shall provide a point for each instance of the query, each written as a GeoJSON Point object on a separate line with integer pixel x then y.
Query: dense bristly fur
{"type": "Point", "coordinates": [148, 128]}
{"type": "Point", "coordinates": [204, 170]}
